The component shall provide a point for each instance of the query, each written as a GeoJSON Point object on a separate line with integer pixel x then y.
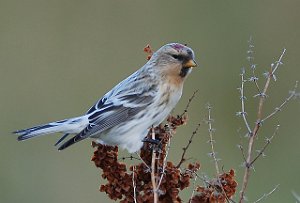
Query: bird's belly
{"type": "Point", "coordinates": [129, 134]}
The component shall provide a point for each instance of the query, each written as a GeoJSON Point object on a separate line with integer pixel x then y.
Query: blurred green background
{"type": "Point", "coordinates": [58, 57]}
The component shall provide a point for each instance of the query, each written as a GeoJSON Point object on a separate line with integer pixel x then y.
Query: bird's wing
{"type": "Point", "coordinates": [112, 114]}
{"type": "Point", "coordinates": [120, 104]}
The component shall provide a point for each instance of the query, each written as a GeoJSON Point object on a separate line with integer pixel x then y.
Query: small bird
{"type": "Point", "coordinates": [124, 115]}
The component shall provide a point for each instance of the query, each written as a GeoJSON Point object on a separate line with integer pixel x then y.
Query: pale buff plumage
{"type": "Point", "coordinates": [124, 115]}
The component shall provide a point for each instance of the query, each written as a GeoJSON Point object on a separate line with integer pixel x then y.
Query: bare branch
{"type": "Point", "coordinates": [266, 195]}
{"type": "Point", "coordinates": [268, 141]}
{"type": "Point", "coordinates": [243, 112]}
{"type": "Point", "coordinates": [292, 94]}
{"type": "Point", "coordinates": [255, 79]}
{"type": "Point", "coordinates": [242, 150]}
{"type": "Point", "coordinates": [278, 63]}
{"type": "Point", "coordinates": [297, 197]}
{"type": "Point", "coordinates": [130, 158]}
{"type": "Point", "coordinates": [194, 188]}
{"type": "Point", "coordinates": [211, 141]}
{"type": "Point", "coordinates": [148, 167]}
{"type": "Point", "coordinates": [153, 178]}
{"type": "Point", "coordinates": [248, 165]}
{"type": "Point", "coordinates": [134, 185]}
{"type": "Point", "coordinates": [189, 102]}
{"type": "Point", "coordinates": [269, 76]}
{"type": "Point", "coordinates": [187, 146]}
{"type": "Point", "coordinates": [250, 51]}
{"type": "Point", "coordinates": [250, 58]}
{"type": "Point", "coordinates": [165, 161]}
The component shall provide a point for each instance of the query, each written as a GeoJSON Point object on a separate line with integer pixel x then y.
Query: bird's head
{"type": "Point", "coordinates": [174, 59]}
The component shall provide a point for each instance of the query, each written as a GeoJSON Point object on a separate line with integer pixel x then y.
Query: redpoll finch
{"type": "Point", "coordinates": [124, 115]}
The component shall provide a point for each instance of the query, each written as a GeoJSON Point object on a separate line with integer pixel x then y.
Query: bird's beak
{"type": "Point", "coordinates": [190, 63]}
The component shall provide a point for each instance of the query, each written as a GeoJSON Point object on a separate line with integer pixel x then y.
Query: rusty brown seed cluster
{"type": "Point", "coordinates": [148, 50]}
{"type": "Point", "coordinates": [119, 175]}
{"type": "Point", "coordinates": [218, 190]}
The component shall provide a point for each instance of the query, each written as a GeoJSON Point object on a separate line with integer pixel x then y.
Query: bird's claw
{"type": "Point", "coordinates": [151, 141]}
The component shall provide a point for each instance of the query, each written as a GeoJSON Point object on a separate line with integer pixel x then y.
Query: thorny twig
{"type": "Point", "coordinates": [203, 178]}
{"type": "Point", "coordinates": [193, 134]}
{"type": "Point", "coordinates": [268, 141]}
{"type": "Point", "coordinates": [243, 153]}
{"type": "Point", "coordinates": [211, 141]}
{"type": "Point", "coordinates": [148, 167]}
{"type": "Point", "coordinates": [129, 157]}
{"type": "Point", "coordinates": [194, 188]}
{"type": "Point", "coordinates": [243, 112]}
{"type": "Point", "coordinates": [252, 65]}
{"type": "Point", "coordinates": [165, 160]}
{"type": "Point", "coordinates": [240, 146]}
{"type": "Point", "coordinates": [277, 109]}
{"type": "Point", "coordinates": [189, 103]}
{"type": "Point", "coordinates": [213, 153]}
{"type": "Point", "coordinates": [270, 75]}
{"type": "Point", "coordinates": [187, 146]}
{"type": "Point", "coordinates": [266, 195]}
{"type": "Point", "coordinates": [254, 79]}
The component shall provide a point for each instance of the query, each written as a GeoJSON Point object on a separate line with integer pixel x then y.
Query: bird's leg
{"type": "Point", "coordinates": [150, 139]}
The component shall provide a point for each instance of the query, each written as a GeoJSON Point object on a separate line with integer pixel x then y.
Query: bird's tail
{"type": "Point", "coordinates": [73, 125]}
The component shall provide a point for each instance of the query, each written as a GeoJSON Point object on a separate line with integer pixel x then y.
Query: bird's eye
{"type": "Point", "coordinates": [178, 57]}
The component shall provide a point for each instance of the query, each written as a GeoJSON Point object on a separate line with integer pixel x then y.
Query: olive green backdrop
{"type": "Point", "coordinates": [58, 57]}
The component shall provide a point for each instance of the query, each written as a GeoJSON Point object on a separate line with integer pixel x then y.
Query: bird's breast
{"type": "Point", "coordinates": [170, 94]}
{"type": "Point", "coordinates": [167, 99]}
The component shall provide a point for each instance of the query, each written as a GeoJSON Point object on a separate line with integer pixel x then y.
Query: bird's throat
{"type": "Point", "coordinates": [184, 71]}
